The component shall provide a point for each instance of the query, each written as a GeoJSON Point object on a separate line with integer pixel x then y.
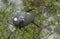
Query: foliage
{"type": "Point", "coordinates": [49, 16]}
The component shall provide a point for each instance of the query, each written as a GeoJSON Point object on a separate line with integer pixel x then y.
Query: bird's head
{"type": "Point", "coordinates": [17, 19]}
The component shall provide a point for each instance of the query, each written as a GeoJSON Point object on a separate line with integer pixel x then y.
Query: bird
{"type": "Point", "coordinates": [22, 19]}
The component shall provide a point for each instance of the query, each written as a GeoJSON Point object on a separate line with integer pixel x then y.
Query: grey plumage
{"type": "Point", "coordinates": [23, 19]}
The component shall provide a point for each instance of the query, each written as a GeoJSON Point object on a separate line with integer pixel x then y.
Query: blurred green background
{"type": "Point", "coordinates": [49, 16]}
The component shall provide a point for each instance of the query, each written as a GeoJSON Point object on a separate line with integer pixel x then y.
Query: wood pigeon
{"type": "Point", "coordinates": [21, 19]}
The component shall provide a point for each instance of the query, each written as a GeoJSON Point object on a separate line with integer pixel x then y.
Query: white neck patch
{"type": "Point", "coordinates": [15, 19]}
{"type": "Point", "coordinates": [28, 13]}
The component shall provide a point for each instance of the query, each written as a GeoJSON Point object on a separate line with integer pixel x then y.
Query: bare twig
{"type": "Point", "coordinates": [49, 35]}
{"type": "Point", "coordinates": [10, 35]}
{"type": "Point", "coordinates": [39, 29]}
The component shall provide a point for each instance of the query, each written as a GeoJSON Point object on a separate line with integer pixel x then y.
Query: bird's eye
{"type": "Point", "coordinates": [15, 19]}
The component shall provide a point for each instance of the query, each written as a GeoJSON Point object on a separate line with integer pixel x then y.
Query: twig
{"type": "Point", "coordinates": [10, 35]}
{"type": "Point", "coordinates": [49, 35]}
{"type": "Point", "coordinates": [39, 29]}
